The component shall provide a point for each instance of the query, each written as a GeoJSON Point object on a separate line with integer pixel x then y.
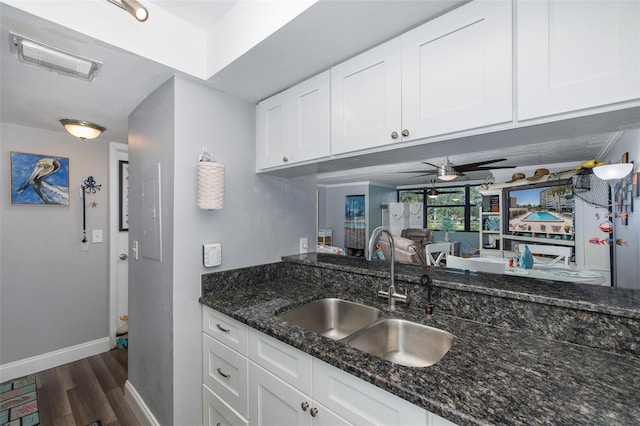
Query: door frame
{"type": "Point", "coordinates": [115, 149]}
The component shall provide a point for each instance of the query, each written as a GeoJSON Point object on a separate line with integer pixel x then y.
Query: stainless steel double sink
{"type": "Point", "coordinates": [397, 340]}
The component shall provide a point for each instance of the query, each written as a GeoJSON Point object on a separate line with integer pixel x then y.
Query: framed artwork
{"type": "Point", "coordinates": [123, 195]}
{"type": "Point", "coordinates": [39, 179]}
{"type": "Point", "coordinates": [636, 188]}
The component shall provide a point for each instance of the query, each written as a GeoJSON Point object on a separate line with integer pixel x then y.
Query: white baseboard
{"type": "Point", "coordinates": [37, 363]}
{"type": "Point", "coordinates": [139, 408]}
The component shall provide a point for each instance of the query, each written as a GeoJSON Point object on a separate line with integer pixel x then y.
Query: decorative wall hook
{"type": "Point", "coordinates": [91, 186]}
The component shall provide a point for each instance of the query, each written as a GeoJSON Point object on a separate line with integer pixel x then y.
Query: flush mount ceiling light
{"type": "Point", "coordinates": [52, 58]}
{"type": "Point", "coordinates": [446, 171]}
{"type": "Point", "coordinates": [610, 172]}
{"type": "Point", "coordinates": [134, 8]}
{"type": "Point", "coordinates": [82, 129]}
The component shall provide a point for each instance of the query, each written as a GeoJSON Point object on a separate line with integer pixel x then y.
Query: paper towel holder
{"type": "Point", "coordinates": [210, 189]}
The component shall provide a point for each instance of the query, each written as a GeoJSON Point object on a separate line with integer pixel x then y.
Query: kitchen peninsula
{"type": "Point", "coordinates": [526, 351]}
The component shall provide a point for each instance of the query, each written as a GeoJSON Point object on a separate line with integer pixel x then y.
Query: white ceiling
{"type": "Point", "coordinates": [327, 33]}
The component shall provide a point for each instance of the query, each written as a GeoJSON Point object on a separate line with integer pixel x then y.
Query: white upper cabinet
{"type": "Point", "coordinates": [294, 125]}
{"type": "Point", "coordinates": [366, 99]}
{"type": "Point", "coordinates": [574, 55]}
{"type": "Point", "coordinates": [457, 70]}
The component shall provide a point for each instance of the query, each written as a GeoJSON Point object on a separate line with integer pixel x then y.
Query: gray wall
{"type": "Point", "coordinates": [379, 195]}
{"type": "Point", "coordinates": [262, 220]}
{"type": "Point", "coordinates": [52, 295]}
{"type": "Point", "coordinates": [151, 141]}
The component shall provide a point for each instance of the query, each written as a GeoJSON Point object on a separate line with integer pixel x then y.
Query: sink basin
{"type": "Point", "coordinates": [333, 318]}
{"type": "Point", "coordinates": [403, 342]}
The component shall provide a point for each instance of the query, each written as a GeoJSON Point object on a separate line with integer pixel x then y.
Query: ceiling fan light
{"type": "Point", "coordinates": [611, 172]}
{"type": "Point", "coordinates": [447, 172]}
{"type": "Point", "coordinates": [82, 129]}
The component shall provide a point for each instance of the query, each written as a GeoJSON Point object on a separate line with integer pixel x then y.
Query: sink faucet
{"type": "Point", "coordinates": [391, 294]}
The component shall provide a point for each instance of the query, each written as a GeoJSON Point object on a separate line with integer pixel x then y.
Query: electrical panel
{"type": "Point", "coordinates": [211, 254]}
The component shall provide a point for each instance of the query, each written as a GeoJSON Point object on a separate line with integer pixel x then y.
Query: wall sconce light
{"type": "Point", "coordinates": [134, 8]}
{"type": "Point", "coordinates": [54, 59]}
{"type": "Point", "coordinates": [611, 172]}
{"type": "Point", "coordinates": [447, 172]}
{"type": "Point", "coordinates": [210, 182]}
{"type": "Point", "coordinates": [82, 129]}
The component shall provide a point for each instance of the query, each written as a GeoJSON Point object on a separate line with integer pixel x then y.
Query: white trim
{"type": "Point", "coordinates": [137, 405]}
{"type": "Point", "coordinates": [114, 149]}
{"type": "Point", "coordinates": [48, 360]}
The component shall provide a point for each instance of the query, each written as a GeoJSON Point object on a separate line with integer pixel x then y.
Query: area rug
{"type": "Point", "coordinates": [19, 402]}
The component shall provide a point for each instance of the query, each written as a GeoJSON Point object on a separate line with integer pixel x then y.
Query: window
{"type": "Point", "coordinates": [455, 208]}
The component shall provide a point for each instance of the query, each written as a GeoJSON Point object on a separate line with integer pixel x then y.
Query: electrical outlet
{"type": "Point", "coordinates": [96, 236]}
{"type": "Point", "coordinates": [304, 245]}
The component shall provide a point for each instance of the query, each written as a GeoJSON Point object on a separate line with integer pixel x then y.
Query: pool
{"type": "Point", "coordinates": [541, 217]}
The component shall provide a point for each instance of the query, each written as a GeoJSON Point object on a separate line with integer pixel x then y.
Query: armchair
{"type": "Point", "coordinates": [420, 236]}
{"type": "Point", "coordinates": [407, 250]}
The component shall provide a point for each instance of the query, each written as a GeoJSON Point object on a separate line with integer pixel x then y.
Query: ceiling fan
{"type": "Point", "coordinates": [433, 192]}
{"type": "Point", "coordinates": [449, 171]}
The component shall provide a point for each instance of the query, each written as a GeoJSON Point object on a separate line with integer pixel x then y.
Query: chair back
{"type": "Point", "coordinates": [436, 253]}
{"type": "Point", "coordinates": [560, 252]}
{"type": "Point", "coordinates": [475, 265]}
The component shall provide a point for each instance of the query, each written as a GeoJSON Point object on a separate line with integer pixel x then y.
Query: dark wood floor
{"type": "Point", "coordinates": [84, 391]}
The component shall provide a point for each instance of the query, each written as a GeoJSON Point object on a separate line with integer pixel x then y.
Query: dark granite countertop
{"type": "Point", "coordinates": [607, 300]}
{"type": "Point", "coordinates": [490, 375]}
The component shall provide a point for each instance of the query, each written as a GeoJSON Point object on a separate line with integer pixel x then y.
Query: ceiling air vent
{"type": "Point", "coordinates": [51, 58]}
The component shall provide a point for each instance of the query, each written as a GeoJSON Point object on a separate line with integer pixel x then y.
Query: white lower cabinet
{"type": "Point", "coordinates": [276, 403]}
{"type": "Point", "coordinates": [271, 383]}
{"type": "Point", "coordinates": [216, 412]}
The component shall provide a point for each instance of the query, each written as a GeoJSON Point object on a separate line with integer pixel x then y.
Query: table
{"type": "Point", "coordinates": [543, 270]}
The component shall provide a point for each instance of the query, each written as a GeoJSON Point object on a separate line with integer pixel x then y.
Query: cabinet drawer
{"type": "Point", "coordinates": [284, 361]}
{"type": "Point", "coordinates": [216, 413]}
{"type": "Point", "coordinates": [226, 373]}
{"type": "Point", "coordinates": [360, 402]}
{"type": "Point", "coordinates": [225, 329]}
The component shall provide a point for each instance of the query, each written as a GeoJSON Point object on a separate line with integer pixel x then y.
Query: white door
{"type": "Point", "coordinates": [574, 55]}
{"type": "Point", "coordinates": [310, 119]}
{"type": "Point", "coordinates": [273, 131]}
{"type": "Point", "coordinates": [366, 99]}
{"type": "Point", "coordinates": [118, 237]}
{"type": "Point", "coordinates": [456, 71]}
{"type": "Point", "coordinates": [275, 403]}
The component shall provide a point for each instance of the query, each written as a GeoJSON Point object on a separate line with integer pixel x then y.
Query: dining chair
{"type": "Point", "coordinates": [475, 265]}
{"type": "Point", "coordinates": [439, 250]}
{"type": "Point", "coordinates": [560, 252]}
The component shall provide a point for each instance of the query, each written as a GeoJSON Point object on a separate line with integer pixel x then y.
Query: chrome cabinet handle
{"type": "Point", "coordinates": [285, 159]}
{"type": "Point", "coordinates": [124, 256]}
{"type": "Point", "coordinates": [405, 132]}
{"type": "Point", "coordinates": [394, 135]}
{"type": "Point", "coordinates": [313, 412]}
{"type": "Point", "coordinates": [226, 376]}
{"type": "Point", "coordinates": [221, 328]}
{"type": "Point", "coordinates": [304, 406]}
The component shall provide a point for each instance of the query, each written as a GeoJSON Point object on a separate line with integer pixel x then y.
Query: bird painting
{"type": "Point", "coordinates": [37, 179]}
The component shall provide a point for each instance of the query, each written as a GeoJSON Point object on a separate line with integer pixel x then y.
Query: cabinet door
{"type": "Point", "coordinates": [225, 372]}
{"type": "Point", "coordinates": [216, 413]}
{"type": "Point", "coordinates": [366, 99]}
{"type": "Point", "coordinates": [273, 131]}
{"type": "Point", "coordinates": [360, 402]}
{"type": "Point", "coordinates": [574, 55]}
{"type": "Point", "coordinates": [275, 403]}
{"type": "Point", "coordinates": [310, 119]}
{"type": "Point", "coordinates": [457, 70]}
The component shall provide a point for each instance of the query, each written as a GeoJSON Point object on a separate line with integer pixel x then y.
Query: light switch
{"type": "Point", "coordinates": [96, 236]}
